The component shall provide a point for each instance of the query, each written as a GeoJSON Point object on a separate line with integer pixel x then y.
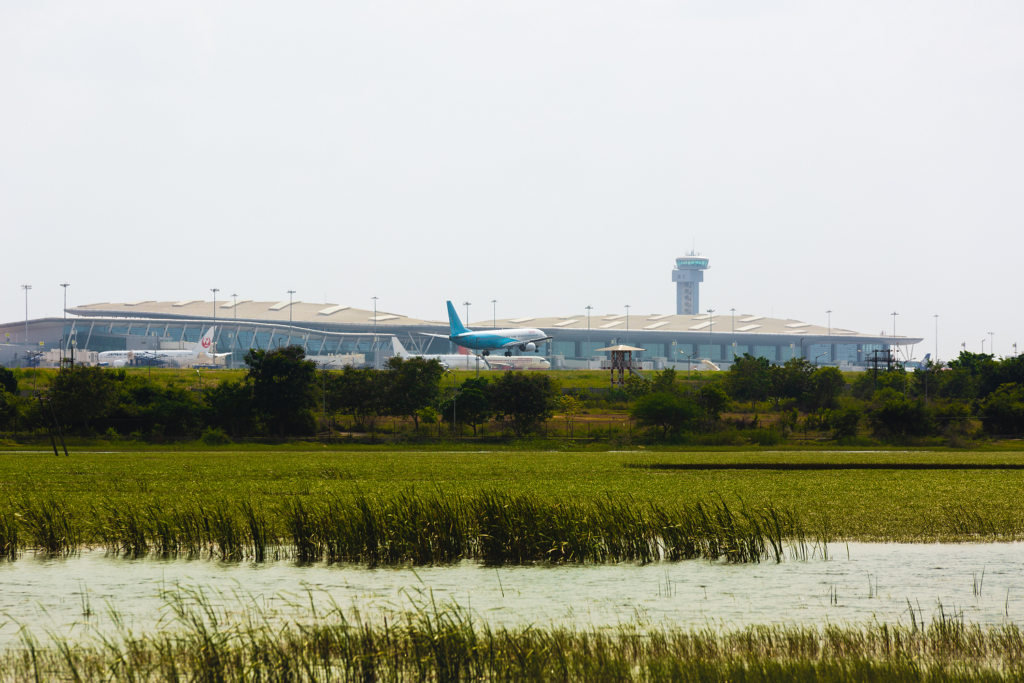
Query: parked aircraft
{"type": "Point", "coordinates": [118, 359]}
{"type": "Point", "coordinates": [461, 361]}
{"type": "Point", "coordinates": [520, 363]}
{"type": "Point", "coordinates": [523, 338]}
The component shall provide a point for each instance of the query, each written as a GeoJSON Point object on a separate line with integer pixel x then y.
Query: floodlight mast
{"type": "Point", "coordinates": [214, 345]}
{"type": "Point", "coordinates": [589, 308]}
{"type": "Point", "coordinates": [711, 320]}
{"type": "Point", "coordinates": [26, 288]}
{"type": "Point", "coordinates": [65, 285]}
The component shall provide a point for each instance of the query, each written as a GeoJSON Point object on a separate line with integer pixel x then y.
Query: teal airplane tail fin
{"type": "Point", "coordinates": [453, 321]}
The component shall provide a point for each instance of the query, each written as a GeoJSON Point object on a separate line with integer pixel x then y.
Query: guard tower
{"type": "Point", "coordinates": [688, 274]}
{"type": "Point", "coordinates": [622, 361]}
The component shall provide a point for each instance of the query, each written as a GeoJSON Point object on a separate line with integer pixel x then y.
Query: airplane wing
{"type": "Point", "coordinates": [222, 355]}
{"type": "Point", "coordinates": [516, 343]}
{"type": "Point", "coordinates": [439, 336]}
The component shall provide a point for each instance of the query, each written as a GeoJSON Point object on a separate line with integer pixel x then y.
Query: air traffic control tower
{"type": "Point", "coordinates": [688, 274]}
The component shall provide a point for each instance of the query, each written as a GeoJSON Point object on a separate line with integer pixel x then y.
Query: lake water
{"type": "Point", "coordinates": [860, 582]}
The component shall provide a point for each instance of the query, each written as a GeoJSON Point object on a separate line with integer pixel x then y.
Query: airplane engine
{"type": "Point", "coordinates": [528, 347]}
{"type": "Point", "coordinates": [119, 363]}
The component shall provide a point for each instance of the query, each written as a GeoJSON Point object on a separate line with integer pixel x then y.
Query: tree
{"type": "Point", "coordinates": [1003, 410]}
{"type": "Point", "coordinates": [81, 394]}
{"type": "Point", "coordinates": [8, 381]}
{"type": "Point", "coordinates": [749, 379]}
{"type": "Point", "coordinates": [791, 379]}
{"type": "Point", "coordinates": [844, 422]}
{"type": "Point", "coordinates": [472, 405]}
{"type": "Point", "coordinates": [526, 400]}
{"type": "Point", "coordinates": [824, 388]}
{"type": "Point", "coordinates": [896, 416]}
{"type": "Point", "coordinates": [570, 407]}
{"type": "Point", "coordinates": [147, 404]}
{"type": "Point", "coordinates": [359, 392]}
{"type": "Point", "coordinates": [412, 384]}
{"type": "Point", "coordinates": [714, 401]}
{"type": "Point", "coordinates": [283, 389]}
{"type": "Point", "coordinates": [230, 407]}
{"type": "Point", "coordinates": [671, 413]}
{"type": "Point", "coordinates": [664, 382]}
{"type": "Point", "coordinates": [636, 386]}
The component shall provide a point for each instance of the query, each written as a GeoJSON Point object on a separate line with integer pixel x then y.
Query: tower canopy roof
{"type": "Point", "coordinates": [620, 347]}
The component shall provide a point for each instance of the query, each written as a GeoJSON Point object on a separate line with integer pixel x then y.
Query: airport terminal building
{"type": "Point", "coordinates": [332, 329]}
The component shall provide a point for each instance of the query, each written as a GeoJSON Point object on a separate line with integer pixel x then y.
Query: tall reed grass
{"type": "Point", "coordinates": [493, 527]}
{"type": "Point", "coordinates": [205, 639]}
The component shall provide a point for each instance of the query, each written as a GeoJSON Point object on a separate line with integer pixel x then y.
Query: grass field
{"type": "Point", "coordinates": [869, 505]}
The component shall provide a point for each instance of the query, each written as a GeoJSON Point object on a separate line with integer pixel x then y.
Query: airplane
{"type": "Point", "coordinates": [118, 359]}
{"type": "Point", "coordinates": [462, 361]}
{"type": "Point", "coordinates": [521, 363]}
{"type": "Point", "coordinates": [523, 338]}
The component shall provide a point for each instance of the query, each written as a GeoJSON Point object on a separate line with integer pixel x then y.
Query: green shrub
{"type": "Point", "coordinates": [214, 436]}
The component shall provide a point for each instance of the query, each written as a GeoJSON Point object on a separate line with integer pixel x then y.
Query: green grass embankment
{"type": "Point", "coordinates": [868, 505]}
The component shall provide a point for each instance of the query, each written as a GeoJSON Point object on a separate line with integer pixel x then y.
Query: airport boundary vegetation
{"type": "Point", "coordinates": [282, 395]}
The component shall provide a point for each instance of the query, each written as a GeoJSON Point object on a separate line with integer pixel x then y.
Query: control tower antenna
{"type": "Point", "coordinates": [688, 274]}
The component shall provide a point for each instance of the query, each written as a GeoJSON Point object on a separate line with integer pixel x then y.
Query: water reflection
{"type": "Point", "coordinates": [864, 583]}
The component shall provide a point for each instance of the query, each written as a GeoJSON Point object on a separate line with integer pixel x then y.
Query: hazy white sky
{"type": "Point", "coordinates": [864, 157]}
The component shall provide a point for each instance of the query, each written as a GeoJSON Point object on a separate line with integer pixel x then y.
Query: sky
{"type": "Point", "coordinates": [860, 157]}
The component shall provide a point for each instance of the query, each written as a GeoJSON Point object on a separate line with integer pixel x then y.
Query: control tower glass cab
{"type": "Point", "coordinates": [688, 274]}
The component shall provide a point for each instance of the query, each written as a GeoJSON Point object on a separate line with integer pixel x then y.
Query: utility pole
{"type": "Point", "coordinates": [65, 285]}
{"type": "Point", "coordinates": [589, 308]}
{"type": "Point", "coordinates": [26, 288]}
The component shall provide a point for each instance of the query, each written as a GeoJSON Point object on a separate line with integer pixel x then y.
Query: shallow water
{"type": "Point", "coordinates": [867, 582]}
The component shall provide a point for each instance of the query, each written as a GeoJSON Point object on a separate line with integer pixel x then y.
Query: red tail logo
{"type": "Point", "coordinates": [206, 342]}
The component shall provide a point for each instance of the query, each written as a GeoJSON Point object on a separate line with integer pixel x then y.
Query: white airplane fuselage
{"type": "Point", "coordinates": [202, 349]}
{"type": "Point", "coordinates": [519, 363]}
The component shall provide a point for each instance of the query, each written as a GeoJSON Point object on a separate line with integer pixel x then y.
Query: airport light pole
{"type": "Point", "coordinates": [374, 344]}
{"type": "Point", "coordinates": [65, 285]}
{"type": "Point", "coordinates": [992, 344]}
{"type": "Point", "coordinates": [711, 319]}
{"type": "Point", "coordinates": [467, 305]}
{"type": "Point", "coordinates": [733, 334]}
{"type": "Point", "coordinates": [494, 312]}
{"type": "Point", "coordinates": [26, 288]}
{"type": "Point", "coordinates": [627, 323]}
{"type": "Point", "coordinates": [213, 345]}
{"type": "Point", "coordinates": [830, 358]}
{"type": "Point", "coordinates": [689, 359]}
{"type": "Point", "coordinates": [817, 357]}
{"type": "Point", "coordinates": [894, 314]}
{"type": "Point", "coordinates": [589, 308]}
{"type": "Point", "coordinates": [936, 316]}
{"type": "Point", "coordinates": [234, 312]}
